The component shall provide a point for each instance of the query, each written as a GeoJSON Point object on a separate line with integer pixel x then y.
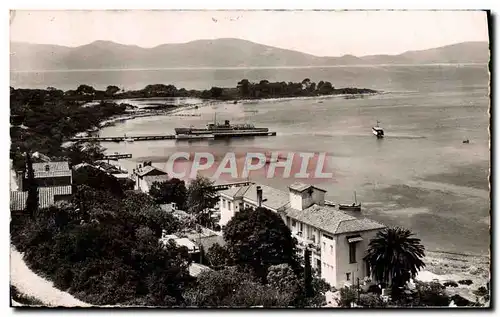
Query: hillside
{"type": "Point", "coordinates": [217, 53]}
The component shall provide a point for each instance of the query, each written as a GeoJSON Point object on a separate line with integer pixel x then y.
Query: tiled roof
{"type": "Point", "coordinates": [147, 169]}
{"type": "Point", "coordinates": [273, 198]}
{"type": "Point", "coordinates": [361, 224]}
{"type": "Point", "coordinates": [53, 166]}
{"type": "Point", "coordinates": [45, 196]}
{"type": "Point", "coordinates": [300, 187]}
{"type": "Point", "coordinates": [332, 220]}
{"type": "Point", "coordinates": [51, 169]}
{"type": "Point", "coordinates": [18, 200]}
{"type": "Point", "coordinates": [155, 178]}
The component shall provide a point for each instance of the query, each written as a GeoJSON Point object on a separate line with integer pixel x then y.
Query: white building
{"type": "Point", "coordinates": [146, 174]}
{"type": "Point", "coordinates": [338, 240]}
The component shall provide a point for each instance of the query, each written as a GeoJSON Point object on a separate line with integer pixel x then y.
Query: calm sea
{"type": "Point", "coordinates": [420, 176]}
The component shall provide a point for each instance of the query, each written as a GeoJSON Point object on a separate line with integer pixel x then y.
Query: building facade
{"type": "Point", "coordinates": [337, 240]}
{"type": "Point", "coordinates": [54, 180]}
{"type": "Point", "coordinates": [145, 175]}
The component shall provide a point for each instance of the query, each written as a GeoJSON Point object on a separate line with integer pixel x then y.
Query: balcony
{"type": "Point", "coordinates": [307, 243]}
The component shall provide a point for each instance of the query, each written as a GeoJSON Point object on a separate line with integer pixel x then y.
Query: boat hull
{"type": "Point", "coordinates": [218, 131]}
{"type": "Point", "coordinates": [350, 207]}
{"type": "Point", "coordinates": [379, 133]}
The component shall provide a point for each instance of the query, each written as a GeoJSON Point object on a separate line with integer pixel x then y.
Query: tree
{"type": "Point", "coordinates": [244, 87]}
{"type": "Point", "coordinates": [201, 197]}
{"type": "Point", "coordinates": [282, 278]}
{"type": "Point", "coordinates": [216, 92]}
{"type": "Point", "coordinates": [97, 179]}
{"type": "Point", "coordinates": [307, 273]}
{"type": "Point", "coordinates": [171, 191]}
{"type": "Point", "coordinates": [84, 153]}
{"type": "Point", "coordinates": [259, 239]}
{"type": "Point", "coordinates": [232, 288]}
{"type": "Point", "coordinates": [32, 200]}
{"type": "Point", "coordinates": [394, 256]}
{"type": "Point", "coordinates": [217, 256]}
{"type": "Point", "coordinates": [85, 89]}
{"type": "Point", "coordinates": [111, 90]}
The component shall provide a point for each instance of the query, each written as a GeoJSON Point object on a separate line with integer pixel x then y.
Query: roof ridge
{"type": "Point", "coordinates": [338, 225]}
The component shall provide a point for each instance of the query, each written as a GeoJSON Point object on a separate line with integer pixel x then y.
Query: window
{"type": "Point", "coordinates": [331, 249]}
{"type": "Point", "coordinates": [301, 227]}
{"type": "Point", "coordinates": [294, 223]}
{"type": "Point", "coordinates": [348, 276]}
{"type": "Point", "coordinates": [224, 203]}
{"type": "Point", "coordinates": [324, 245]}
{"type": "Point", "coordinates": [352, 252]}
{"type": "Point", "coordinates": [229, 205]}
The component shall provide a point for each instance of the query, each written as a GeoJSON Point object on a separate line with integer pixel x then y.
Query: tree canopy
{"type": "Point", "coordinates": [260, 239]}
{"type": "Point", "coordinates": [395, 256]}
{"type": "Point", "coordinates": [171, 191]}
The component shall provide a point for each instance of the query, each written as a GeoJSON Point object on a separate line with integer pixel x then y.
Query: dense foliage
{"type": "Point", "coordinates": [171, 191]}
{"type": "Point", "coordinates": [258, 239]}
{"type": "Point", "coordinates": [42, 119]}
{"type": "Point", "coordinates": [22, 298]}
{"type": "Point", "coordinates": [233, 288]}
{"type": "Point", "coordinates": [201, 197]}
{"type": "Point", "coordinates": [105, 250]}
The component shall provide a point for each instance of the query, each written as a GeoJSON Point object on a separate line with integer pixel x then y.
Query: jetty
{"type": "Point", "coordinates": [218, 135]}
{"type": "Point", "coordinates": [117, 156]}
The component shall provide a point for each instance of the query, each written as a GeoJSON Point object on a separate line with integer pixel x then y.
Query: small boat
{"type": "Point", "coordinates": [465, 141]}
{"type": "Point", "coordinates": [354, 207]}
{"type": "Point", "coordinates": [235, 102]}
{"type": "Point", "coordinates": [129, 139]}
{"type": "Point", "coordinates": [378, 131]}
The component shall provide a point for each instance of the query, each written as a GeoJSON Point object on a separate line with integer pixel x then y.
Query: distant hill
{"type": "Point", "coordinates": [216, 53]}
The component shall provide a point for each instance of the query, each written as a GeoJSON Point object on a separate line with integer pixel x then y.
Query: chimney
{"type": "Point", "coordinates": [259, 196]}
{"type": "Point", "coordinates": [20, 180]}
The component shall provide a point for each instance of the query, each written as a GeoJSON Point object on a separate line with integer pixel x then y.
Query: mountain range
{"type": "Point", "coordinates": [225, 52]}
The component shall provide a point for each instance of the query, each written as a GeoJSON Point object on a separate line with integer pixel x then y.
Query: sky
{"type": "Point", "coordinates": [321, 33]}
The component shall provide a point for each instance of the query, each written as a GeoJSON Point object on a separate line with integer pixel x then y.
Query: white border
{"type": "Point", "coordinates": [186, 4]}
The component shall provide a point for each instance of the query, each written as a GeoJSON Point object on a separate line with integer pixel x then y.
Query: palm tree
{"type": "Point", "coordinates": [394, 256]}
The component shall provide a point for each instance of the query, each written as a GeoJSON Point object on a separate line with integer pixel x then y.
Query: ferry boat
{"type": "Point", "coordinates": [378, 131]}
{"type": "Point", "coordinates": [225, 129]}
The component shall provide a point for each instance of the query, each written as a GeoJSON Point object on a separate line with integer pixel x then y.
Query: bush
{"type": "Point", "coordinates": [347, 296]}
{"type": "Point", "coordinates": [370, 300]}
{"type": "Point", "coordinates": [465, 282]}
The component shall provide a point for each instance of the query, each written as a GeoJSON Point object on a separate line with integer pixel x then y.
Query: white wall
{"type": "Point", "coordinates": [305, 199]}
{"type": "Point", "coordinates": [358, 269]}
{"type": "Point", "coordinates": [225, 213]}
{"type": "Point", "coordinates": [328, 258]}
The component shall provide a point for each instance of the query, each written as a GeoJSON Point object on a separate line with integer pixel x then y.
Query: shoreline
{"type": "Point", "coordinates": [211, 102]}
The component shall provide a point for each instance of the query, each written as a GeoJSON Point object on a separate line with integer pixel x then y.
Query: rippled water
{"type": "Point", "coordinates": [420, 176]}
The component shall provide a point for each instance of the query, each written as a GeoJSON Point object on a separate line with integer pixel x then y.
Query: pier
{"type": "Point", "coordinates": [217, 135]}
{"type": "Point", "coordinates": [117, 156]}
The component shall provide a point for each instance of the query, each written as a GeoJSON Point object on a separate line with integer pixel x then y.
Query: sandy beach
{"type": "Point", "coordinates": [454, 267]}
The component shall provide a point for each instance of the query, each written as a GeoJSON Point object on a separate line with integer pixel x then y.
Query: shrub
{"type": "Point", "coordinates": [347, 296]}
{"type": "Point", "coordinates": [465, 282]}
{"type": "Point", "coordinates": [371, 300]}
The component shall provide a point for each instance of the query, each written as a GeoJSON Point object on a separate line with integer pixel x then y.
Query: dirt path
{"type": "Point", "coordinates": [28, 283]}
